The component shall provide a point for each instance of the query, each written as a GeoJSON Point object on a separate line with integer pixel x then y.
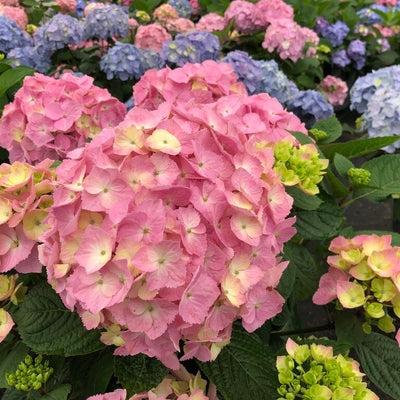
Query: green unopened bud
{"type": "Point", "coordinates": [317, 134]}
{"type": "Point", "coordinates": [366, 326]}
{"type": "Point", "coordinates": [28, 360]}
{"type": "Point", "coordinates": [285, 377]}
{"type": "Point", "coordinates": [359, 176]}
{"type": "Point", "coordinates": [31, 29]}
{"type": "Point", "coordinates": [375, 310]}
{"type": "Point", "coordinates": [310, 378]}
{"type": "Point", "coordinates": [359, 123]}
{"type": "Point", "coordinates": [323, 49]}
{"type": "Point", "coordinates": [143, 16]}
{"type": "Point", "coordinates": [385, 324]}
{"type": "Point", "coordinates": [383, 289]}
{"type": "Point", "coordinates": [319, 392]}
{"type": "Point", "coordinates": [343, 394]}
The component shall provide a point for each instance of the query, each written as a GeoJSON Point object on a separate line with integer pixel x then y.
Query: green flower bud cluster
{"type": "Point", "coordinates": [31, 374]}
{"type": "Point", "coordinates": [359, 176]}
{"type": "Point", "coordinates": [299, 165]}
{"type": "Point", "coordinates": [317, 134]}
{"type": "Point", "coordinates": [314, 373]}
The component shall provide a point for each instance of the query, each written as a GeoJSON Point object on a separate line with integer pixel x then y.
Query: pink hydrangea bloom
{"type": "Point", "coordinates": [241, 12]}
{"type": "Point", "coordinates": [181, 25]}
{"type": "Point", "coordinates": [119, 394]}
{"type": "Point", "coordinates": [151, 36]}
{"type": "Point", "coordinates": [15, 13]}
{"type": "Point", "coordinates": [265, 12]}
{"type": "Point", "coordinates": [387, 2]}
{"type": "Point", "coordinates": [211, 22]}
{"type": "Point", "coordinates": [164, 13]}
{"type": "Point", "coordinates": [91, 6]}
{"type": "Point", "coordinates": [385, 31]}
{"type": "Point", "coordinates": [6, 324]}
{"type": "Point", "coordinates": [286, 37]}
{"type": "Point", "coordinates": [50, 117]}
{"type": "Point", "coordinates": [335, 90]}
{"type": "Point", "coordinates": [11, 3]}
{"type": "Point", "coordinates": [195, 4]}
{"type": "Point", "coordinates": [162, 229]}
{"type": "Point", "coordinates": [67, 6]}
{"type": "Point", "coordinates": [312, 40]}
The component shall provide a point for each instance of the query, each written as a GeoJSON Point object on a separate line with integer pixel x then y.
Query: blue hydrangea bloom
{"type": "Point", "coordinates": [11, 35]}
{"type": "Point", "coordinates": [247, 69]}
{"type": "Point", "coordinates": [340, 58]}
{"type": "Point", "coordinates": [310, 106]}
{"type": "Point", "coordinates": [321, 25]}
{"type": "Point", "coordinates": [365, 86]}
{"type": "Point", "coordinates": [356, 51]}
{"type": "Point", "coordinates": [274, 81]}
{"type": "Point", "coordinates": [130, 103]}
{"type": "Point", "coordinates": [336, 33]}
{"type": "Point", "coordinates": [193, 47]}
{"type": "Point", "coordinates": [369, 17]}
{"type": "Point", "coordinates": [80, 7]}
{"type": "Point", "coordinates": [382, 114]}
{"type": "Point", "coordinates": [182, 6]}
{"type": "Point", "coordinates": [30, 57]}
{"type": "Point", "coordinates": [56, 33]}
{"type": "Point", "coordinates": [105, 22]}
{"type": "Point", "coordinates": [123, 61]}
{"type": "Point", "coordinates": [151, 59]}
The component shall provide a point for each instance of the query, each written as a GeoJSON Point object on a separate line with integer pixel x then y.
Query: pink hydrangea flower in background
{"type": "Point", "coordinates": [241, 12]}
{"type": "Point", "coordinates": [265, 12]}
{"type": "Point", "coordinates": [181, 25]}
{"type": "Point", "coordinates": [195, 4]}
{"type": "Point", "coordinates": [165, 13]}
{"type": "Point", "coordinates": [385, 31]}
{"type": "Point", "coordinates": [387, 2]}
{"type": "Point", "coordinates": [155, 222]}
{"type": "Point", "coordinates": [91, 6]}
{"type": "Point", "coordinates": [118, 394]}
{"type": "Point", "coordinates": [50, 117]}
{"type": "Point", "coordinates": [286, 37]}
{"type": "Point", "coordinates": [312, 41]}
{"type": "Point", "coordinates": [334, 89]}
{"type": "Point", "coordinates": [15, 13]}
{"type": "Point", "coordinates": [67, 6]}
{"type": "Point", "coordinates": [151, 36]}
{"type": "Point", "coordinates": [211, 22]}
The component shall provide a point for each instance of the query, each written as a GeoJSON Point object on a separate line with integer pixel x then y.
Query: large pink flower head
{"type": "Point", "coordinates": [168, 227]}
{"type": "Point", "coordinates": [15, 13]}
{"type": "Point", "coordinates": [364, 272]}
{"type": "Point", "coordinates": [67, 6]}
{"type": "Point", "coordinates": [25, 195]}
{"type": "Point", "coordinates": [286, 37]}
{"type": "Point", "coordinates": [241, 13]}
{"type": "Point", "coordinates": [387, 2]}
{"type": "Point", "coordinates": [265, 12]}
{"type": "Point", "coordinates": [335, 89]}
{"type": "Point", "coordinates": [211, 22]}
{"type": "Point", "coordinates": [151, 36]}
{"type": "Point", "coordinates": [200, 83]}
{"type": "Point", "coordinates": [50, 117]}
{"type": "Point", "coordinates": [164, 13]}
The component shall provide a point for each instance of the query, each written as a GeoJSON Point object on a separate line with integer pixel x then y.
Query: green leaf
{"type": "Point", "coordinates": [380, 360]}
{"type": "Point", "coordinates": [307, 270]}
{"type": "Point", "coordinates": [337, 187]}
{"type": "Point", "coordinates": [138, 373]}
{"type": "Point", "coordinates": [331, 126]}
{"type": "Point", "coordinates": [14, 394]}
{"type": "Point", "coordinates": [342, 164]}
{"type": "Point", "coordinates": [59, 393]}
{"type": "Point", "coordinates": [385, 175]}
{"type": "Point", "coordinates": [245, 369]}
{"type": "Point", "coordinates": [288, 278]}
{"type": "Point", "coordinates": [12, 76]}
{"type": "Point", "coordinates": [359, 147]}
{"type": "Point", "coordinates": [301, 137]}
{"type": "Point", "coordinates": [348, 329]}
{"type": "Point", "coordinates": [323, 223]}
{"type": "Point", "coordinates": [303, 200]}
{"type": "Point", "coordinates": [48, 327]}
{"type": "Point", "coordinates": [91, 374]}
{"type": "Point", "coordinates": [10, 360]}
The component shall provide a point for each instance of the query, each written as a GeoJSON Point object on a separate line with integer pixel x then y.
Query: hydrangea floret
{"type": "Point", "coordinates": [312, 372]}
{"type": "Point", "coordinates": [11, 35]}
{"type": "Point", "coordinates": [176, 221]}
{"type": "Point", "coordinates": [31, 374]}
{"type": "Point", "coordinates": [364, 272]}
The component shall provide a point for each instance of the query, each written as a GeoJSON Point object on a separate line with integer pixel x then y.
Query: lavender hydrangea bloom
{"type": "Point", "coordinates": [340, 58]}
{"type": "Point", "coordinates": [11, 35]}
{"type": "Point", "coordinates": [369, 17]}
{"type": "Point", "coordinates": [336, 33]}
{"type": "Point", "coordinates": [80, 7]}
{"type": "Point", "coordinates": [273, 80]}
{"type": "Point", "coordinates": [356, 51]}
{"type": "Point", "coordinates": [122, 61]}
{"type": "Point", "coordinates": [193, 47]}
{"type": "Point", "coordinates": [151, 59]}
{"type": "Point", "coordinates": [310, 106]}
{"type": "Point", "coordinates": [30, 57]}
{"type": "Point", "coordinates": [182, 6]}
{"type": "Point", "coordinates": [321, 25]}
{"type": "Point", "coordinates": [382, 116]}
{"type": "Point", "coordinates": [56, 33]}
{"type": "Point", "coordinates": [383, 45]}
{"type": "Point", "coordinates": [105, 22]}
{"type": "Point", "coordinates": [365, 86]}
{"type": "Point", "coordinates": [247, 69]}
